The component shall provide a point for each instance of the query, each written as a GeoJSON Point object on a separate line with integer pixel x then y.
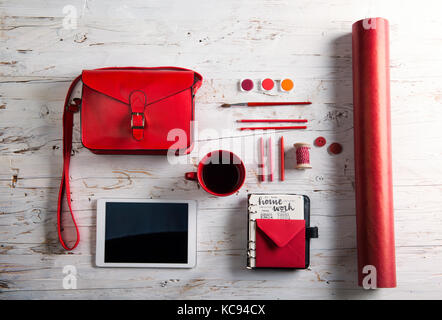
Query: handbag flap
{"type": "Point", "coordinates": [138, 110]}
{"type": "Point", "coordinates": [156, 83]}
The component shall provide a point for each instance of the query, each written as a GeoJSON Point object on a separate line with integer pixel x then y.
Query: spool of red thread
{"type": "Point", "coordinates": [302, 155]}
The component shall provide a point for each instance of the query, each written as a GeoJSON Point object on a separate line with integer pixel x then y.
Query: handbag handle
{"type": "Point", "coordinates": [68, 123]}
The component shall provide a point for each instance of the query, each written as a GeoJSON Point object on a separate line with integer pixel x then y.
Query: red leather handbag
{"type": "Point", "coordinates": [128, 110]}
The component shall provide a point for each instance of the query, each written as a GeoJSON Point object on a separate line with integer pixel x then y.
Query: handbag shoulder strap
{"type": "Point", "coordinates": [68, 123]}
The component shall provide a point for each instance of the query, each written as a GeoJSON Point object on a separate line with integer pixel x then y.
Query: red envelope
{"type": "Point", "coordinates": [280, 243]}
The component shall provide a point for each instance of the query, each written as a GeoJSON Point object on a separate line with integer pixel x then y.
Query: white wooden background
{"type": "Point", "coordinates": [224, 40]}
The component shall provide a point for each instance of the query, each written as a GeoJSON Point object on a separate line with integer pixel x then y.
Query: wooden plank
{"type": "Point", "coordinates": [307, 40]}
{"type": "Point", "coordinates": [330, 276]}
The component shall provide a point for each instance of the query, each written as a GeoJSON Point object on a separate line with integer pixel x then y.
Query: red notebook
{"type": "Point", "coordinates": [279, 231]}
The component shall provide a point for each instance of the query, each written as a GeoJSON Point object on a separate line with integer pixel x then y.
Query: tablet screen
{"type": "Point", "coordinates": [146, 232]}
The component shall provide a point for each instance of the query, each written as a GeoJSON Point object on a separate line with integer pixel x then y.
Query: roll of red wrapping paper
{"type": "Point", "coordinates": [372, 140]}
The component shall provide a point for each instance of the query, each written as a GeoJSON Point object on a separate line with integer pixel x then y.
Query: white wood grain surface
{"type": "Point", "coordinates": [308, 41]}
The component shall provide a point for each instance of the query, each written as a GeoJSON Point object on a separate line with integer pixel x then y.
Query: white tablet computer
{"type": "Point", "coordinates": [146, 233]}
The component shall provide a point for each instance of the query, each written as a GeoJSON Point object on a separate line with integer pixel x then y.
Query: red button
{"type": "Point", "coordinates": [320, 141]}
{"type": "Point", "coordinates": [335, 148]}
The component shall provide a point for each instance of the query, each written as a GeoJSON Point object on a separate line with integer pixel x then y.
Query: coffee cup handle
{"type": "Point", "coordinates": [191, 176]}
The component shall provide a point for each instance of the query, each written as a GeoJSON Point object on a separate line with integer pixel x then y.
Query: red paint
{"type": "Point", "coordinates": [372, 145]}
{"type": "Point", "coordinates": [198, 175]}
{"type": "Point", "coordinates": [247, 85]}
{"type": "Point", "coordinates": [267, 84]}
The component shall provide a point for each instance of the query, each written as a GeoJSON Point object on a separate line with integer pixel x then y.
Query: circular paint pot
{"type": "Point", "coordinates": [286, 85]}
{"type": "Point", "coordinates": [246, 85]}
{"type": "Point", "coordinates": [335, 148]}
{"type": "Point", "coordinates": [267, 84]}
{"type": "Point", "coordinates": [320, 141]}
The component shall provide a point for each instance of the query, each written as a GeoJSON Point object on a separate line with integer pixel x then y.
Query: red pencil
{"type": "Point", "coordinates": [261, 165]}
{"type": "Point", "coordinates": [270, 159]}
{"type": "Point", "coordinates": [273, 128]}
{"type": "Point", "coordinates": [272, 120]}
{"type": "Point", "coordinates": [262, 104]}
{"type": "Point", "coordinates": [281, 150]}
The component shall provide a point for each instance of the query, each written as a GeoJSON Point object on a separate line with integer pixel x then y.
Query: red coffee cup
{"type": "Point", "coordinates": [221, 173]}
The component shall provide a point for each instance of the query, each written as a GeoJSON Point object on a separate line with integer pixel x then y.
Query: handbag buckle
{"type": "Point", "coordinates": [132, 120]}
{"type": "Point", "coordinates": [137, 102]}
{"type": "Point", "coordinates": [74, 106]}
